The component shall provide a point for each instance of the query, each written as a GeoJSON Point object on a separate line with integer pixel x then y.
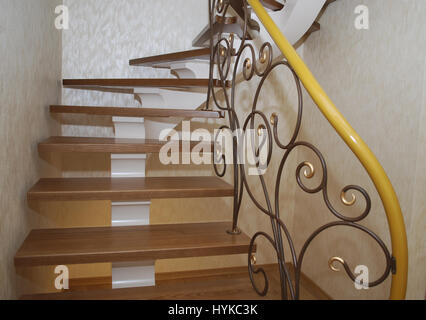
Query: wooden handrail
{"type": "Point", "coordinates": [358, 147]}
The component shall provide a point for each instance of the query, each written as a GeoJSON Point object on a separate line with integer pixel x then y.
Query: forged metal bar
{"type": "Point", "coordinates": [356, 144]}
{"type": "Point", "coordinates": [227, 59]}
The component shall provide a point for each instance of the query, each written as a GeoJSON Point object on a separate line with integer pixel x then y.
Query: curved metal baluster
{"type": "Point", "coordinates": [251, 70]}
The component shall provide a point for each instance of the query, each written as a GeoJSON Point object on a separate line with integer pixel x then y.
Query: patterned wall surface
{"type": "Point", "coordinates": [29, 76]}
{"type": "Point", "coordinates": [104, 35]}
{"type": "Point", "coordinates": [376, 77]}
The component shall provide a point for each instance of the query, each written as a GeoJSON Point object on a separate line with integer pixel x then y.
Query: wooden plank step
{"type": "Point", "coordinates": [110, 145]}
{"type": "Point", "coordinates": [201, 54]}
{"type": "Point", "coordinates": [121, 244]}
{"type": "Point", "coordinates": [215, 284]}
{"type": "Point", "coordinates": [136, 112]}
{"type": "Point", "coordinates": [123, 84]}
{"type": "Point", "coordinates": [128, 189]}
{"type": "Point", "coordinates": [272, 5]}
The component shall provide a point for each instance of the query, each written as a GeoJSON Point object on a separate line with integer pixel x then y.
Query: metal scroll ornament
{"type": "Point", "coordinates": [227, 59]}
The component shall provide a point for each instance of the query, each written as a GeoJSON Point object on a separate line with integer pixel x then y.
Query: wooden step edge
{"type": "Point", "coordinates": [121, 244]}
{"type": "Point", "coordinates": [114, 145]}
{"type": "Point", "coordinates": [226, 20]}
{"type": "Point", "coordinates": [125, 84]}
{"type": "Point", "coordinates": [203, 53]}
{"type": "Point", "coordinates": [128, 189]}
{"type": "Point", "coordinates": [272, 5]}
{"type": "Point", "coordinates": [136, 112]}
{"type": "Point", "coordinates": [195, 284]}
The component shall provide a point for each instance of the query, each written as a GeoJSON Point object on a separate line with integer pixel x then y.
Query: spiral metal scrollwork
{"type": "Point", "coordinates": [228, 61]}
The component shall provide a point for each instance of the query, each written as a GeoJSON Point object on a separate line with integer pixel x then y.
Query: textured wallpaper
{"type": "Point", "coordinates": [30, 72]}
{"type": "Point", "coordinates": [105, 35]}
{"type": "Point", "coordinates": [376, 77]}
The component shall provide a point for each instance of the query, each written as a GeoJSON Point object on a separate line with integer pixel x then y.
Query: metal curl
{"type": "Point", "coordinates": [265, 138]}
{"type": "Point", "coordinates": [229, 61]}
{"type": "Point", "coordinates": [370, 233]}
{"type": "Point", "coordinates": [323, 186]}
{"type": "Point", "coordinates": [348, 271]}
{"type": "Point", "coordinates": [223, 54]}
{"type": "Point", "coordinates": [222, 173]}
{"type": "Point", "coordinates": [339, 215]}
{"type": "Point", "coordinates": [346, 202]}
{"type": "Point", "coordinates": [311, 174]}
{"type": "Point", "coordinates": [249, 64]}
{"type": "Point", "coordinates": [253, 270]}
{"type": "Point", "coordinates": [250, 67]}
{"type": "Point", "coordinates": [220, 6]}
{"type": "Point", "coordinates": [283, 268]}
{"type": "Point", "coordinates": [265, 56]}
{"type": "Point", "coordinates": [274, 117]}
{"type": "Point", "coordinates": [333, 260]}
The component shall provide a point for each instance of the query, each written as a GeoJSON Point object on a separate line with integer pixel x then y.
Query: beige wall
{"type": "Point", "coordinates": [377, 79]}
{"type": "Point", "coordinates": [30, 71]}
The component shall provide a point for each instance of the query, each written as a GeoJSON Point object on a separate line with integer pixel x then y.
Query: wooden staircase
{"type": "Point", "coordinates": [134, 243]}
{"type": "Point", "coordinates": [128, 243]}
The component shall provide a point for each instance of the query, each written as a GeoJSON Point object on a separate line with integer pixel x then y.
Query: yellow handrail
{"type": "Point", "coordinates": [358, 147]}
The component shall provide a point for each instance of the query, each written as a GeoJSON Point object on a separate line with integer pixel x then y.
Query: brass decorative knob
{"type": "Point", "coordinates": [253, 260]}
{"type": "Point", "coordinates": [311, 173]}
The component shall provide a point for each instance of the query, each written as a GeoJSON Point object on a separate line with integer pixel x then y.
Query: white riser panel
{"type": "Point", "coordinates": [141, 273]}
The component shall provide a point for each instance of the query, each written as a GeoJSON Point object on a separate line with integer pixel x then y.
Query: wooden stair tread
{"type": "Point", "coordinates": [272, 5]}
{"type": "Point", "coordinates": [203, 54]}
{"type": "Point", "coordinates": [215, 284]}
{"type": "Point", "coordinates": [129, 189]}
{"type": "Point", "coordinates": [108, 145]}
{"type": "Point", "coordinates": [136, 112]}
{"type": "Point", "coordinates": [121, 244]}
{"type": "Point", "coordinates": [137, 83]}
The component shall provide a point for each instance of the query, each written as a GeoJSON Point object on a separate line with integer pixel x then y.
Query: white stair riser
{"type": "Point", "coordinates": [141, 273]}
{"type": "Point", "coordinates": [191, 70]}
{"type": "Point", "coordinates": [133, 275]}
{"type": "Point", "coordinates": [130, 214]}
{"type": "Point", "coordinates": [171, 99]}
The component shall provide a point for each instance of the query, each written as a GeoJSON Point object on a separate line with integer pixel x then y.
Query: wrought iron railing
{"type": "Point", "coordinates": [225, 62]}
